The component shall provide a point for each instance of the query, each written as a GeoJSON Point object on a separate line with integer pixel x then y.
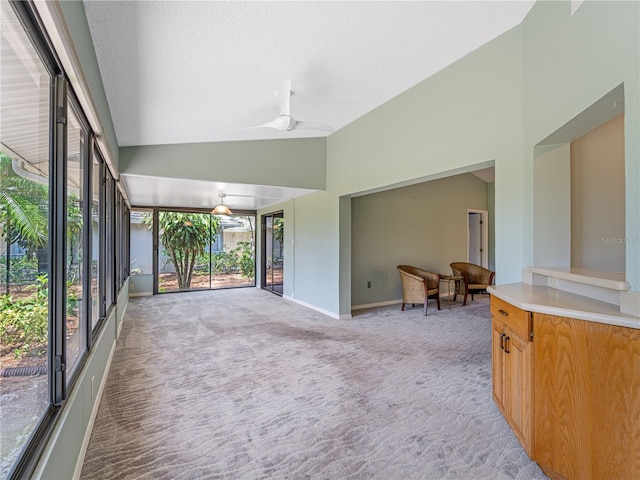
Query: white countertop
{"type": "Point", "coordinates": [551, 301]}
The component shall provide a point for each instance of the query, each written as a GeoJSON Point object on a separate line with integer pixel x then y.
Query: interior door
{"type": "Point", "coordinates": [475, 241]}
{"type": "Point", "coordinates": [477, 237]}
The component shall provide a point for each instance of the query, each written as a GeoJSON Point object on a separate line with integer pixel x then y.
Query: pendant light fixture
{"type": "Point", "coordinates": [221, 209]}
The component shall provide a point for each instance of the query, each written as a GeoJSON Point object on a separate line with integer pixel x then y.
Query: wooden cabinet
{"type": "Point", "coordinates": [512, 368]}
{"type": "Point", "coordinates": [587, 399]}
{"type": "Point", "coordinates": [570, 390]}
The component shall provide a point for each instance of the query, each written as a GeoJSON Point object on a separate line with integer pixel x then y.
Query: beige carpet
{"type": "Point", "coordinates": [241, 384]}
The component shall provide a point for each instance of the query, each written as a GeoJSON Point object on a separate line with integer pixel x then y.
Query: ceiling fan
{"type": "Point", "coordinates": [285, 121]}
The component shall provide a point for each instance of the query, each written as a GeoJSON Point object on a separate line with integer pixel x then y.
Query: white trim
{"type": "Point", "coordinates": [94, 413]}
{"type": "Point", "coordinates": [377, 304]}
{"type": "Point", "coordinates": [317, 309]}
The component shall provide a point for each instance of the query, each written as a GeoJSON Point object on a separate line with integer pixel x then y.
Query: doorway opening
{"type": "Point", "coordinates": [273, 252]}
{"type": "Point", "coordinates": [478, 237]}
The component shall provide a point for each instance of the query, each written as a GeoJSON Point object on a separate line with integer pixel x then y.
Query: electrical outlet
{"type": "Point", "coordinates": [368, 284]}
{"type": "Point", "coordinates": [553, 282]}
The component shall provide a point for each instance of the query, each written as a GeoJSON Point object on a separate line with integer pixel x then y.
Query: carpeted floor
{"type": "Point", "coordinates": [241, 384]}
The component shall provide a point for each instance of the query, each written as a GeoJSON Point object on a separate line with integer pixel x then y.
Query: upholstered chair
{"type": "Point", "coordinates": [418, 286]}
{"type": "Point", "coordinates": [476, 279]}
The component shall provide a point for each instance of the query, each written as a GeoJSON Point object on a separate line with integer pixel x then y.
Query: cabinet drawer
{"type": "Point", "coordinates": [516, 319]}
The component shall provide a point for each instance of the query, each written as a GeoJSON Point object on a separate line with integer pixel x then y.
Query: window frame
{"type": "Point", "coordinates": [85, 307]}
{"type": "Point", "coordinates": [102, 314]}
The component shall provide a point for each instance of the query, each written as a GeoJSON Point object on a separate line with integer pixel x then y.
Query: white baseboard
{"type": "Point", "coordinates": [317, 309]}
{"type": "Point", "coordinates": [140, 294]}
{"type": "Point", "coordinates": [377, 304]}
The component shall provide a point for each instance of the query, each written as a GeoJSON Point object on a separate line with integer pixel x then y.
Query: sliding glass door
{"type": "Point", "coordinates": [273, 252]}
{"type": "Point", "coordinates": [200, 251]}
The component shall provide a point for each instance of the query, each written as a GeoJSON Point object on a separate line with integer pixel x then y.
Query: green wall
{"type": "Point", "coordinates": [461, 119]}
{"type": "Point", "coordinates": [424, 225]}
{"type": "Point", "coordinates": [288, 163]}
{"type": "Point", "coordinates": [495, 104]}
{"type": "Point", "coordinates": [491, 207]}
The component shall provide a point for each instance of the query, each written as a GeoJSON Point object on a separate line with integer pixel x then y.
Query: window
{"type": "Point", "coordinates": [25, 85]}
{"type": "Point", "coordinates": [75, 314]}
{"type": "Point", "coordinates": [118, 250]}
{"type": "Point", "coordinates": [110, 228]}
{"type": "Point", "coordinates": [97, 306]}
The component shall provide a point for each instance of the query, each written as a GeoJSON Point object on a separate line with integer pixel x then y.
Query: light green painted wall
{"type": "Point", "coordinates": [424, 225]}
{"type": "Point", "coordinates": [494, 104]}
{"type": "Point", "coordinates": [464, 116]}
{"type": "Point", "coordinates": [569, 63]}
{"type": "Point", "coordinates": [345, 241]}
{"type": "Point", "coordinates": [141, 284]}
{"type": "Point", "coordinates": [317, 251]}
{"type": "Point", "coordinates": [552, 206]}
{"type": "Point", "coordinates": [491, 207]}
{"type": "Point", "coordinates": [289, 163]}
{"type": "Point", "coordinates": [76, 20]}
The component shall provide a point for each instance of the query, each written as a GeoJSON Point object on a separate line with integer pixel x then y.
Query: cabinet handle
{"type": "Point", "coordinates": [502, 335]}
{"type": "Point", "coordinates": [506, 344]}
{"type": "Point", "coordinates": [503, 313]}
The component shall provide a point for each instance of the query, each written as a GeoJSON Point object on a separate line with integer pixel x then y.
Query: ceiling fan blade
{"type": "Point", "coordinates": [284, 98]}
{"type": "Point", "coordinates": [314, 126]}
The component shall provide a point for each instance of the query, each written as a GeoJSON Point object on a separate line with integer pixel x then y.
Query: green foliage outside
{"type": "Point", "coordinates": [278, 228]}
{"type": "Point", "coordinates": [185, 237]}
{"type": "Point", "coordinates": [239, 259]}
{"type": "Point", "coordinates": [24, 221]}
{"type": "Point", "coordinates": [24, 322]}
{"type": "Point", "coordinates": [22, 273]}
{"type": "Point", "coordinates": [24, 206]}
{"type": "Point", "coordinates": [246, 259]}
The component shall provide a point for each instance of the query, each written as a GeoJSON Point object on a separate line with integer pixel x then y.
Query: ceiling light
{"type": "Point", "coordinates": [221, 209]}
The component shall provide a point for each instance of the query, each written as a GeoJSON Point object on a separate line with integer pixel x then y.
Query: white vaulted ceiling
{"type": "Point", "coordinates": [202, 71]}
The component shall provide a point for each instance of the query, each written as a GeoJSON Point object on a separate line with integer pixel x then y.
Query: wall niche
{"type": "Point", "coordinates": [579, 191]}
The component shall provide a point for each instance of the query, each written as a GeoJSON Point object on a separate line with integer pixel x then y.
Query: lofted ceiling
{"type": "Point", "coordinates": [204, 71]}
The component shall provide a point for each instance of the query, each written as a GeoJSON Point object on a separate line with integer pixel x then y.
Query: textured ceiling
{"type": "Point", "coordinates": [179, 71]}
{"type": "Point", "coordinates": [182, 72]}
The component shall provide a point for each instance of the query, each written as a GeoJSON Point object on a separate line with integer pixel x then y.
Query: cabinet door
{"type": "Point", "coordinates": [498, 364]}
{"type": "Point", "coordinates": [519, 383]}
{"type": "Point", "coordinates": [562, 410]}
{"type": "Point", "coordinates": [587, 399]}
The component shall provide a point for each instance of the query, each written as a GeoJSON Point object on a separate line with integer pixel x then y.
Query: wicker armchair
{"type": "Point", "coordinates": [476, 278]}
{"type": "Point", "coordinates": [418, 286]}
